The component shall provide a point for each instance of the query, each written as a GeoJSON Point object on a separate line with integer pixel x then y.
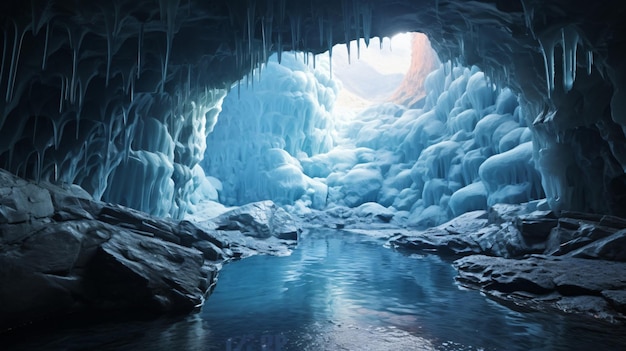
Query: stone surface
{"type": "Point", "coordinates": [573, 262]}
{"type": "Point", "coordinates": [259, 219]}
{"type": "Point", "coordinates": [593, 288]}
{"type": "Point", "coordinates": [62, 254]}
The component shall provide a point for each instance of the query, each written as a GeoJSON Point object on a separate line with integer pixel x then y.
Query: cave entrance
{"type": "Point", "coordinates": [349, 134]}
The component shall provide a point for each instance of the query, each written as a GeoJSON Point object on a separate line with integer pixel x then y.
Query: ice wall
{"type": "Point", "coordinates": [268, 121]}
{"type": "Point", "coordinates": [467, 147]}
{"type": "Point", "coordinates": [160, 172]}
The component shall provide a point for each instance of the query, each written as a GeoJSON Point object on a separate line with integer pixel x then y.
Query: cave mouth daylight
{"type": "Point", "coordinates": [148, 146]}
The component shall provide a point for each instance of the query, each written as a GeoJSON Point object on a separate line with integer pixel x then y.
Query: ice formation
{"type": "Point", "coordinates": [466, 148]}
{"type": "Point", "coordinates": [80, 82]}
{"type": "Point", "coordinates": [264, 129]}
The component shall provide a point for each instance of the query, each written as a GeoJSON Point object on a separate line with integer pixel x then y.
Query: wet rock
{"type": "Point", "coordinates": [63, 254]}
{"type": "Point", "coordinates": [261, 220]}
{"type": "Point", "coordinates": [617, 299]}
{"type": "Point", "coordinates": [612, 248]}
{"type": "Point", "coordinates": [146, 274]}
{"type": "Point", "coordinates": [593, 288]}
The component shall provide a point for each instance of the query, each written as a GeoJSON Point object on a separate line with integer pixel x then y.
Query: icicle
{"type": "Point", "coordinates": [15, 58]}
{"type": "Point", "coordinates": [298, 30]}
{"type": "Point", "coordinates": [366, 12]}
{"type": "Point", "coordinates": [62, 94]}
{"type": "Point", "coordinates": [280, 47]}
{"type": "Point", "coordinates": [132, 91]}
{"type": "Point", "coordinates": [55, 134]}
{"type": "Point", "coordinates": [45, 47]}
{"type": "Point", "coordinates": [330, 50]}
{"type": "Point", "coordinates": [74, 69]}
{"type": "Point", "coordinates": [346, 25]}
{"type": "Point", "coordinates": [292, 22]}
{"type": "Point", "coordinates": [547, 43]}
{"type": "Point", "coordinates": [529, 15]}
{"type": "Point", "coordinates": [250, 25]}
{"type": "Point", "coordinates": [589, 61]}
{"type": "Point", "coordinates": [264, 39]}
{"type": "Point", "coordinates": [139, 46]}
{"type": "Point", "coordinates": [569, 37]}
{"type": "Point", "coordinates": [170, 15]}
{"type": "Point", "coordinates": [356, 12]}
{"type": "Point", "coordinates": [314, 65]}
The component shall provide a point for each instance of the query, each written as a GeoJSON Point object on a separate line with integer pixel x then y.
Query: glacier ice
{"type": "Point", "coordinates": [467, 147]}
{"type": "Point", "coordinates": [256, 144]}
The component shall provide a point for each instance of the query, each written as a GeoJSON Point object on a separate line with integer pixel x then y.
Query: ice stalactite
{"type": "Point", "coordinates": [45, 47]}
{"type": "Point", "coordinates": [589, 61]}
{"type": "Point", "coordinates": [168, 11]}
{"type": "Point", "coordinates": [366, 20]}
{"type": "Point", "coordinates": [569, 43]}
{"type": "Point", "coordinates": [345, 9]}
{"type": "Point", "coordinates": [139, 49]}
{"type": "Point", "coordinates": [330, 49]}
{"type": "Point", "coordinates": [568, 38]}
{"type": "Point", "coordinates": [529, 16]}
{"type": "Point", "coordinates": [548, 42]}
{"type": "Point", "coordinates": [15, 57]}
{"type": "Point", "coordinates": [264, 39]}
{"type": "Point", "coordinates": [250, 23]}
{"type": "Point", "coordinates": [280, 47]}
{"type": "Point", "coordinates": [112, 29]}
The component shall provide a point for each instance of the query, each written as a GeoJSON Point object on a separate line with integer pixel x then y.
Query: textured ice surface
{"type": "Point", "coordinates": [264, 129]}
{"type": "Point", "coordinates": [467, 147]}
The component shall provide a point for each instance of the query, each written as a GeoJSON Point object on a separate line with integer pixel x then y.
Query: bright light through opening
{"type": "Point", "coordinates": [373, 73]}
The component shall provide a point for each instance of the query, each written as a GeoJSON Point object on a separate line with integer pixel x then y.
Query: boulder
{"type": "Point", "coordinates": [62, 254]}
{"type": "Point", "coordinates": [262, 219]}
{"type": "Point", "coordinates": [591, 288]}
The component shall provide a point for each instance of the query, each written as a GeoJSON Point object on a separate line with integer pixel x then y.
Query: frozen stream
{"type": "Point", "coordinates": [341, 291]}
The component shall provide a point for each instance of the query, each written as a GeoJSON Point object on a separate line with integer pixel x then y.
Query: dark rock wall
{"type": "Point", "coordinates": [82, 83]}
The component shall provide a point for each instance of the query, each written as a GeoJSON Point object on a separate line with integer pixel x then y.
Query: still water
{"type": "Point", "coordinates": [341, 291]}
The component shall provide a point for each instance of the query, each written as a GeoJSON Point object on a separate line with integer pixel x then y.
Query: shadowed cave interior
{"type": "Point", "coordinates": [144, 144]}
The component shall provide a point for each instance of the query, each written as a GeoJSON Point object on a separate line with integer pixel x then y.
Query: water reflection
{"type": "Point", "coordinates": [338, 291]}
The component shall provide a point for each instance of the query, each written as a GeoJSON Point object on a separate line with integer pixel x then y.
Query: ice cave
{"type": "Point", "coordinates": [313, 175]}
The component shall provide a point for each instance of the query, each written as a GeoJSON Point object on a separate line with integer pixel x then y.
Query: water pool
{"type": "Point", "coordinates": [341, 291]}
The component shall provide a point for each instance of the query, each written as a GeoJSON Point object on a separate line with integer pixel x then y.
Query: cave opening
{"type": "Point", "coordinates": [506, 175]}
{"type": "Point", "coordinates": [387, 136]}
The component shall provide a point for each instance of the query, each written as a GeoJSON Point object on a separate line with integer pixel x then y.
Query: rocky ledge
{"type": "Point", "coordinates": [571, 262]}
{"type": "Point", "coordinates": [62, 254]}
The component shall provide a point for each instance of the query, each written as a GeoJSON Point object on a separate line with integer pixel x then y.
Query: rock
{"type": "Point", "coordinates": [64, 255]}
{"type": "Point", "coordinates": [570, 285]}
{"type": "Point", "coordinates": [20, 201]}
{"type": "Point", "coordinates": [147, 275]}
{"type": "Point", "coordinates": [472, 233]}
{"type": "Point", "coordinates": [261, 220]}
{"type": "Point", "coordinates": [617, 299]}
{"type": "Point", "coordinates": [612, 248]}
{"type": "Point", "coordinates": [536, 225]}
